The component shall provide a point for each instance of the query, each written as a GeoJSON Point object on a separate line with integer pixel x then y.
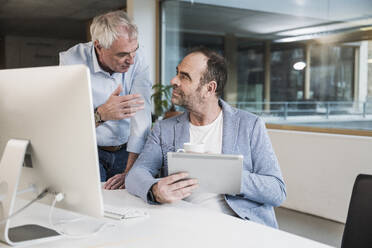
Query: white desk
{"type": "Point", "coordinates": [176, 225]}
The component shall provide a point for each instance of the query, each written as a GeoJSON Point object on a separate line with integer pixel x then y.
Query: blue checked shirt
{"type": "Point", "coordinates": [132, 131]}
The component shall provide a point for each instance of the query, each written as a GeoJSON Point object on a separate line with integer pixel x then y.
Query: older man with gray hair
{"type": "Point", "coordinates": [121, 91]}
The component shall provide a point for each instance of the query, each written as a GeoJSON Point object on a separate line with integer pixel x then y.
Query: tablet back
{"type": "Point", "coordinates": [216, 173]}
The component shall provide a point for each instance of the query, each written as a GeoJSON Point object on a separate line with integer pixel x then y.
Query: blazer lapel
{"type": "Point", "coordinates": [182, 131]}
{"type": "Point", "coordinates": [230, 128]}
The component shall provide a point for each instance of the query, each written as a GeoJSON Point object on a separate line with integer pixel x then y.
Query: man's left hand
{"type": "Point", "coordinates": [116, 182]}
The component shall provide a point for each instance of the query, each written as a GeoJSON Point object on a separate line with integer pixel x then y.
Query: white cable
{"type": "Point", "coordinates": [61, 222]}
{"type": "Point", "coordinates": [40, 196]}
{"type": "Point", "coordinates": [59, 197]}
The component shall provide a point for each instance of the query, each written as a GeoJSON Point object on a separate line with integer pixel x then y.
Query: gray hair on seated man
{"type": "Point", "coordinates": [106, 28]}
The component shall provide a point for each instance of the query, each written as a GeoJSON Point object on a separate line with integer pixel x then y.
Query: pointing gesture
{"type": "Point", "coordinates": [120, 107]}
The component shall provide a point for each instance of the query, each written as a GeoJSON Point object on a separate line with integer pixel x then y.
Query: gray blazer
{"type": "Point", "coordinates": [262, 185]}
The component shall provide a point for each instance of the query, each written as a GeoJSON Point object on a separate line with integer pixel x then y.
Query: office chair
{"type": "Point", "coordinates": [358, 227]}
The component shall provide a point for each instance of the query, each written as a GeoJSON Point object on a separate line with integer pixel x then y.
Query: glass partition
{"type": "Point", "coordinates": [250, 70]}
{"type": "Point", "coordinates": [305, 63]}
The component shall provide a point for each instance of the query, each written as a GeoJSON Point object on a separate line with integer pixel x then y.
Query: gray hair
{"type": "Point", "coordinates": [108, 27]}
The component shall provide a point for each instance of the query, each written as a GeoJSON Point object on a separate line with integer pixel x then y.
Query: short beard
{"type": "Point", "coordinates": [191, 102]}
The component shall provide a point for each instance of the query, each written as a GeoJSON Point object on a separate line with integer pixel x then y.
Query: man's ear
{"type": "Point", "coordinates": [212, 87]}
{"type": "Point", "coordinates": [97, 46]}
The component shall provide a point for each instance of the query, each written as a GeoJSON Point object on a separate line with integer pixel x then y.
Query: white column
{"type": "Point", "coordinates": [145, 15]}
{"type": "Point", "coordinates": [369, 93]}
{"type": "Point", "coordinates": [307, 72]}
{"type": "Point", "coordinates": [362, 86]}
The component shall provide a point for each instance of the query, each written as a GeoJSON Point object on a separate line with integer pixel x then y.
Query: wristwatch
{"type": "Point", "coordinates": [97, 117]}
{"type": "Point", "coordinates": [151, 197]}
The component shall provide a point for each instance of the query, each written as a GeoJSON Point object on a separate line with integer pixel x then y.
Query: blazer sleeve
{"type": "Point", "coordinates": [147, 166]}
{"type": "Point", "coordinates": [264, 183]}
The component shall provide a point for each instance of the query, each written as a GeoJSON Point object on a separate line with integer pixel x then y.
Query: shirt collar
{"type": "Point", "coordinates": [96, 66]}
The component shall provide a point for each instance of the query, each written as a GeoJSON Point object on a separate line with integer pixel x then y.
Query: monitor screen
{"type": "Point", "coordinates": [51, 107]}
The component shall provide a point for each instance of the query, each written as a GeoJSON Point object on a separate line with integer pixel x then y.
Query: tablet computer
{"type": "Point", "coordinates": [216, 173]}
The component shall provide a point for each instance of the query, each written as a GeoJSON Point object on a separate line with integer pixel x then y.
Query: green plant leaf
{"type": "Point", "coordinates": [162, 98]}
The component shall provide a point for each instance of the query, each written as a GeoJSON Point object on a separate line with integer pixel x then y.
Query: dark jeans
{"type": "Point", "coordinates": [112, 163]}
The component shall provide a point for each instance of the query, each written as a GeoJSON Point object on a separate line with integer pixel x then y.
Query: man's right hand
{"type": "Point", "coordinates": [120, 107]}
{"type": "Point", "coordinates": [174, 188]}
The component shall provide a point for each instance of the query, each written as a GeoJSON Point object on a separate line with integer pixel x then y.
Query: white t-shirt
{"type": "Point", "coordinates": [210, 135]}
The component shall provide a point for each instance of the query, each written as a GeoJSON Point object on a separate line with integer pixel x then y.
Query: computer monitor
{"type": "Point", "coordinates": [48, 111]}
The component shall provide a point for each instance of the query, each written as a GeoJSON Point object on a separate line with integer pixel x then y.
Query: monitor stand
{"type": "Point", "coordinates": [10, 170]}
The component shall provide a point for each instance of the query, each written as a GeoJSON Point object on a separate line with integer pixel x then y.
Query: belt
{"type": "Point", "coordinates": [113, 148]}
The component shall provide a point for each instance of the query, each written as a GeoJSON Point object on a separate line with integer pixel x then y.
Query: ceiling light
{"type": "Point", "coordinates": [364, 23]}
{"type": "Point", "coordinates": [299, 66]}
{"type": "Point", "coordinates": [366, 28]}
{"type": "Point", "coordinates": [302, 34]}
{"type": "Point", "coordinates": [295, 38]}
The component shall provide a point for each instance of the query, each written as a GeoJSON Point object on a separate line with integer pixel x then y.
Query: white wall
{"type": "Point", "coordinates": [144, 13]}
{"type": "Point", "coordinates": [320, 169]}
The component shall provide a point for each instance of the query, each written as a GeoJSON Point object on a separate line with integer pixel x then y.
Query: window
{"type": "Point", "coordinates": [287, 61]}
{"type": "Point", "coordinates": [332, 73]}
{"type": "Point", "coordinates": [287, 83]}
{"type": "Point", "coordinates": [251, 74]}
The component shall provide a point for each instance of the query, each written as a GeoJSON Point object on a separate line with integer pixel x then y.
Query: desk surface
{"type": "Point", "coordinates": [172, 225]}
